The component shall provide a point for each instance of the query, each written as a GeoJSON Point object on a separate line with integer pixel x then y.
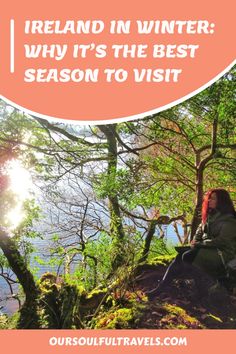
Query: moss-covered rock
{"type": "Point", "coordinates": [163, 260]}
{"type": "Point", "coordinates": [176, 317]}
{"type": "Point", "coordinates": [58, 303]}
{"type": "Point", "coordinates": [117, 319]}
{"type": "Point", "coordinates": [9, 322]}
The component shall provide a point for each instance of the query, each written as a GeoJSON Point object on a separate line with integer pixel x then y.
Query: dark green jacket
{"type": "Point", "coordinates": [218, 234]}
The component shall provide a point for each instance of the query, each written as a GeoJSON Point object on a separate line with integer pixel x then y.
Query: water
{"type": "Point", "coordinates": [9, 305]}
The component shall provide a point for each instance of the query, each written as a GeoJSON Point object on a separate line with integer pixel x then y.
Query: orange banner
{"type": "Point", "coordinates": [127, 341]}
{"type": "Point", "coordinates": [96, 61]}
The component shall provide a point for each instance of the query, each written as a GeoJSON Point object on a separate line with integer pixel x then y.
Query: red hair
{"type": "Point", "coordinates": [205, 205]}
{"type": "Point", "coordinates": [224, 203]}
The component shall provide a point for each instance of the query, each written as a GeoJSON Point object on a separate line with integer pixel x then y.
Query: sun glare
{"type": "Point", "coordinates": [20, 185]}
{"type": "Point", "coordinates": [20, 180]}
{"type": "Point", "coordinates": [14, 217]}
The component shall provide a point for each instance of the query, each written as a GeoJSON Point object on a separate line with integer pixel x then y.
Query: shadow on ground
{"type": "Point", "coordinates": [184, 305]}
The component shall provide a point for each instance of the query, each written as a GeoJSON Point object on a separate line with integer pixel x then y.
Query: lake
{"type": "Point", "coordinates": [8, 305]}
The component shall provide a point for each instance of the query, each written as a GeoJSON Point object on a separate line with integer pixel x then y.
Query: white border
{"type": "Point", "coordinates": [124, 119]}
{"type": "Point", "coordinates": [12, 46]}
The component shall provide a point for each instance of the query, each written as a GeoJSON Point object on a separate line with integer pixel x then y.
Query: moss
{"type": "Point", "coordinates": [215, 318]}
{"type": "Point", "coordinates": [96, 292]}
{"type": "Point", "coordinates": [93, 299]}
{"type": "Point", "coordinates": [72, 280]}
{"type": "Point", "coordinates": [176, 317]}
{"type": "Point", "coordinates": [69, 302]}
{"type": "Point", "coordinates": [212, 321]}
{"type": "Point", "coordinates": [181, 326]}
{"type": "Point", "coordinates": [3, 322]}
{"type": "Point", "coordinates": [58, 303]}
{"type": "Point", "coordinates": [121, 318]}
{"type": "Point", "coordinates": [52, 278]}
{"type": "Point", "coordinates": [162, 260]}
{"type": "Point", "coordinates": [9, 322]}
{"type": "Point", "coordinates": [13, 320]}
{"type": "Point", "coordinates": [129, 298]}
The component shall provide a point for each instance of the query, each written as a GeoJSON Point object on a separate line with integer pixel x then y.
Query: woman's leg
{"type": "Point", "coordinates": [171, 272]}
{"type": "Point", "coordinates": [181, 264]}
{"type": "Point", "coordinates": [173, 269]}
{"type": "Point", "coordinates": [176, 267]}
{"type": "Point", "coordinates": [189, 256]}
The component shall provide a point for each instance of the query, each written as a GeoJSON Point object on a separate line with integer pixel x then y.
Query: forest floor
{"type": "Point", "coordinates": [127, 305]}
{"type": "Point", "coordinates": [183, 305]}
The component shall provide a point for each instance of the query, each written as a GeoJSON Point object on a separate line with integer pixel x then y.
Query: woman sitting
{"type": "Point", "coordinates": [213, 245]}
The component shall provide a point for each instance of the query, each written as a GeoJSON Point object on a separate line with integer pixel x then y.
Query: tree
{"type": "Point", "coordinates": [124, 182]}
{"type": "Point", "coordinates": [186, 147]}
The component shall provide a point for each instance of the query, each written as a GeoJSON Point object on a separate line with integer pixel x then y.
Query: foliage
{"type": "Point", "coordinates": [161, 250]}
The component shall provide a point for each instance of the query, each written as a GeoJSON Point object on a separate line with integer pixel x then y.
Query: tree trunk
{"type": "Point", "coordinates": [200, 167]}
{"type": "Point", "coordinates": [116, 226]}
{"type": "Point", "coordinates": [198, 205]}
{"type": "Point", "coordinates": [148, 240]}
{"type": "Point", "coordinates": [29, 318]}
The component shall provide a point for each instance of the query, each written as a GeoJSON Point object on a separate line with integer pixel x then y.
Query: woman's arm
{"type": "Point", "coordinates": [226, 238]}
{"type": "Point", "coordinates": [198, 235]}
